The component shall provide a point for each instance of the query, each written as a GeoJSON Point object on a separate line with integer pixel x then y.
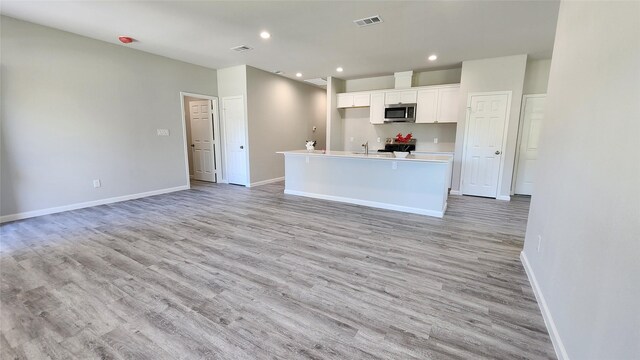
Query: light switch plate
{"type": "Point", "coordinates": [435, 140]}
{"type": "Point", "coordinates": [163, 132]}
{"type": "Point", "coordinates": [96, 183]}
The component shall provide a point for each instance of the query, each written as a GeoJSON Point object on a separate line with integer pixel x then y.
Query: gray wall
{"type": "Point", "coordinates": [335, 125]}
{"type": "Point", "coordinates": [495, 74]}
{"type": "Point", "coordinates": [536, 76]}
{"type": "Point", "coordinates": [586, 204]}
{"type": "Point", "coordinates": [76, 109]}
{"type": "Point", "coordinates": [281, 114]}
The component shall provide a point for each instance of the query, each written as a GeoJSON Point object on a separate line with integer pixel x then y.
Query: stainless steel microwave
{"type": "Point", "coordinates": [400, 113]}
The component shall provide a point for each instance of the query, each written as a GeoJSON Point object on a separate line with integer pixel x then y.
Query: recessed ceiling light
{"type": "Point", "coordinates": [339, 69]}
{"type": "Point", "coordinates": [432, 57]}
{"type": "Point", "coordinates": [299, 74]}
{"type": "Point", "coordinates": [265, 35]}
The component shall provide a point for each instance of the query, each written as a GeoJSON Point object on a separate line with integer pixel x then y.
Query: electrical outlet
{"type": "Point", "coordinates": [96, 183]}
{"type": "Point", "coordinates": [163, 132]}
{"type": "Point", "coordinates": [435, 140]}
{"type": "Point", "coordinates": [394, 165]}
{"type": "Point", "coordinates": [539, 242]}
{"type": "Point", "coordinates": [378, 139]}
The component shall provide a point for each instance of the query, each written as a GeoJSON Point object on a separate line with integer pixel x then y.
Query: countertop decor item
{"type": "Point", "coordinates": [311, 145]}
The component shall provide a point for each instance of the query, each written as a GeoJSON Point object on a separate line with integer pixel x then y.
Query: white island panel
{"type": "Point", "coordinates": [415, 184]}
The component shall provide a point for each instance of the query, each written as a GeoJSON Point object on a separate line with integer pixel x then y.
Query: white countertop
{"type": "Point", "coordinates": [372, 155]}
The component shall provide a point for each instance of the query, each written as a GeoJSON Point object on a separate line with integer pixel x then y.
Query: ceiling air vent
{"type": "Point", "coordinates": [317, 81]}
{"type": "Point", "coordinates": [241, 48]}
{"type": "Point", "coordinates": [372, 20]}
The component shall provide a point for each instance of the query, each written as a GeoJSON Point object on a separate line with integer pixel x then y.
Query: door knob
{"type": "Point", "coordinates": [241, 147]}
{"type": "Point", "coordinates": [497, 152]}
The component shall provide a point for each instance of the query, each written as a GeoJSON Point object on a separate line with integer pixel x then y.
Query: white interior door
{"type": "Point", "coordinates": [202, 140]}
{"type": "Point", "coordinates": [483, 144]}
{"type": "Point", "coordinates": [532, 117]}
{"type": "Point", "coordinates": [235, 140]}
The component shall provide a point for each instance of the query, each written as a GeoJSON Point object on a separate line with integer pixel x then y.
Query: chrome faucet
{"type": "Point", "coordinates": [366, 148]}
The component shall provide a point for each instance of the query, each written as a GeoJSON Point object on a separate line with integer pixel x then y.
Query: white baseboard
{"type": "Point", "coordinates": [30, 214]}
{"type": "Point", "coordinates": [374, 204]}
{"type": "Point", "coordinates": [455, 192]}
{"type": "Point", "coordinates": [265, 182]}
{"type": "Point", "coordinates": [504, 197]}
{"type": "Point", "coordinates": [558, 346]}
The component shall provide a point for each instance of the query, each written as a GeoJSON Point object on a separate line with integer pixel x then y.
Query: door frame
{"type": "Point", "coordinates": [520, 132]}
{"type": "Point", "coordinates": [217, 146]}
{"type": "Point", "coordinates": [246, 136]}
{"type": "Point", "coordinates": [509, 94]}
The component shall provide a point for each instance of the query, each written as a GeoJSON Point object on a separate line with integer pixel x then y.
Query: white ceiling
{"type": "Point", "coordinates": [307, 36]}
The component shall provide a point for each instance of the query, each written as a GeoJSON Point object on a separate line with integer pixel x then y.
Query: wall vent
{"type": "Point", "coordinates": [318, 81]}
{"type": "Point", "coordinates": [241, 48]}
{"type": "Point", "coordinates": [371, 20]}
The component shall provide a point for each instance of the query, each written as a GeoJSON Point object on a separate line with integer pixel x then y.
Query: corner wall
{"type": "Point", "coordinates": [586, 204]}
{"type": "Point", "coordinates": [281, 114]}
{"type": "Point", "coordinates": [75, 109]}
{"type": "Point", "coordinates": [495, 74]}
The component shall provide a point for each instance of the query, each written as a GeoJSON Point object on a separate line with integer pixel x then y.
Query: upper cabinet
{"type": "Point", "coordinates": [347, 100]}
{"type": "Point", "coordinates": [427, 106]}
{"type": "Point", "coordinates": [438, 105]}
{"type": "Point", "coordinates": [400, 97]}
{"type": "Point", "coordinates": [376, 111]}
{"type": "Point", "coordinates": [434, 104]}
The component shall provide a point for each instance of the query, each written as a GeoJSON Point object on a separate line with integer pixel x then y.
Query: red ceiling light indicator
{"type": "Point", "coordinates": [125, 39]}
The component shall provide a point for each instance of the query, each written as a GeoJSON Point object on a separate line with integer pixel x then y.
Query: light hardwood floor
{"type": "Point", "coordinates": [225, 272]}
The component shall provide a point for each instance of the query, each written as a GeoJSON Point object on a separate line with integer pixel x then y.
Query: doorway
{"type": "Point", "coordinates": [532, 117]}
{"type": "Point", "coordinates": [485, 141]}
{"type": "Point", "coordinates": [202, 137]}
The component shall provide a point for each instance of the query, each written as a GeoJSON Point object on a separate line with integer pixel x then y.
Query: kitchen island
{"type": "Point", "coordinates": [416, 184]}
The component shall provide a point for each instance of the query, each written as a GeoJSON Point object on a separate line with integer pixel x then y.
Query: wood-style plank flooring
{"type": "Point", "coordinates": [225, 272]}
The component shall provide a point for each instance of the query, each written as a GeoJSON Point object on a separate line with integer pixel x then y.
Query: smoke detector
{"type": "Point", "coordinates": [371, 20]}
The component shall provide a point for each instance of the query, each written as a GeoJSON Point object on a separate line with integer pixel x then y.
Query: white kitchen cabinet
{"type": "Point", "coordinates": [361, 100]}
{"type": "Point", "coordinates": [347, 100]}
{"type": "Point", "coordinates": [401, 97]}
{"type": "Point", "coordinates": [427, 106]}
{"type": "Point", "coordinates": [376, 109]}
{"type": "Point", "coordinates": [438, 105]}
{"type": "Point", "coordinates": [448, 105]}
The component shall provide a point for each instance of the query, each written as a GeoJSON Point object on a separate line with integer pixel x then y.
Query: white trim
{"type": "Point", "coordinates": [30, 214]}
{"type": "Point", "coordinates": [504, 136]}
{"type": "Point", "coordinates": [374, 204]}
{"type": "Point", "coordinates": [504, 197]}
{"type": "Point", "coordinates": [519, 140]}
{"type": "Point", "coordinates": [558, 346]}
{"type": "Point", "coordinates": [265, 182]}
{"type": "Point", "coordinates": [216, 129]}
{"type": "Point", "coordinates": [455, 192]}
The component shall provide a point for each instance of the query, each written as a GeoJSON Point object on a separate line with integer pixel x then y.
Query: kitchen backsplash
{"type": "Point", "coordinates": [358, 127]}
